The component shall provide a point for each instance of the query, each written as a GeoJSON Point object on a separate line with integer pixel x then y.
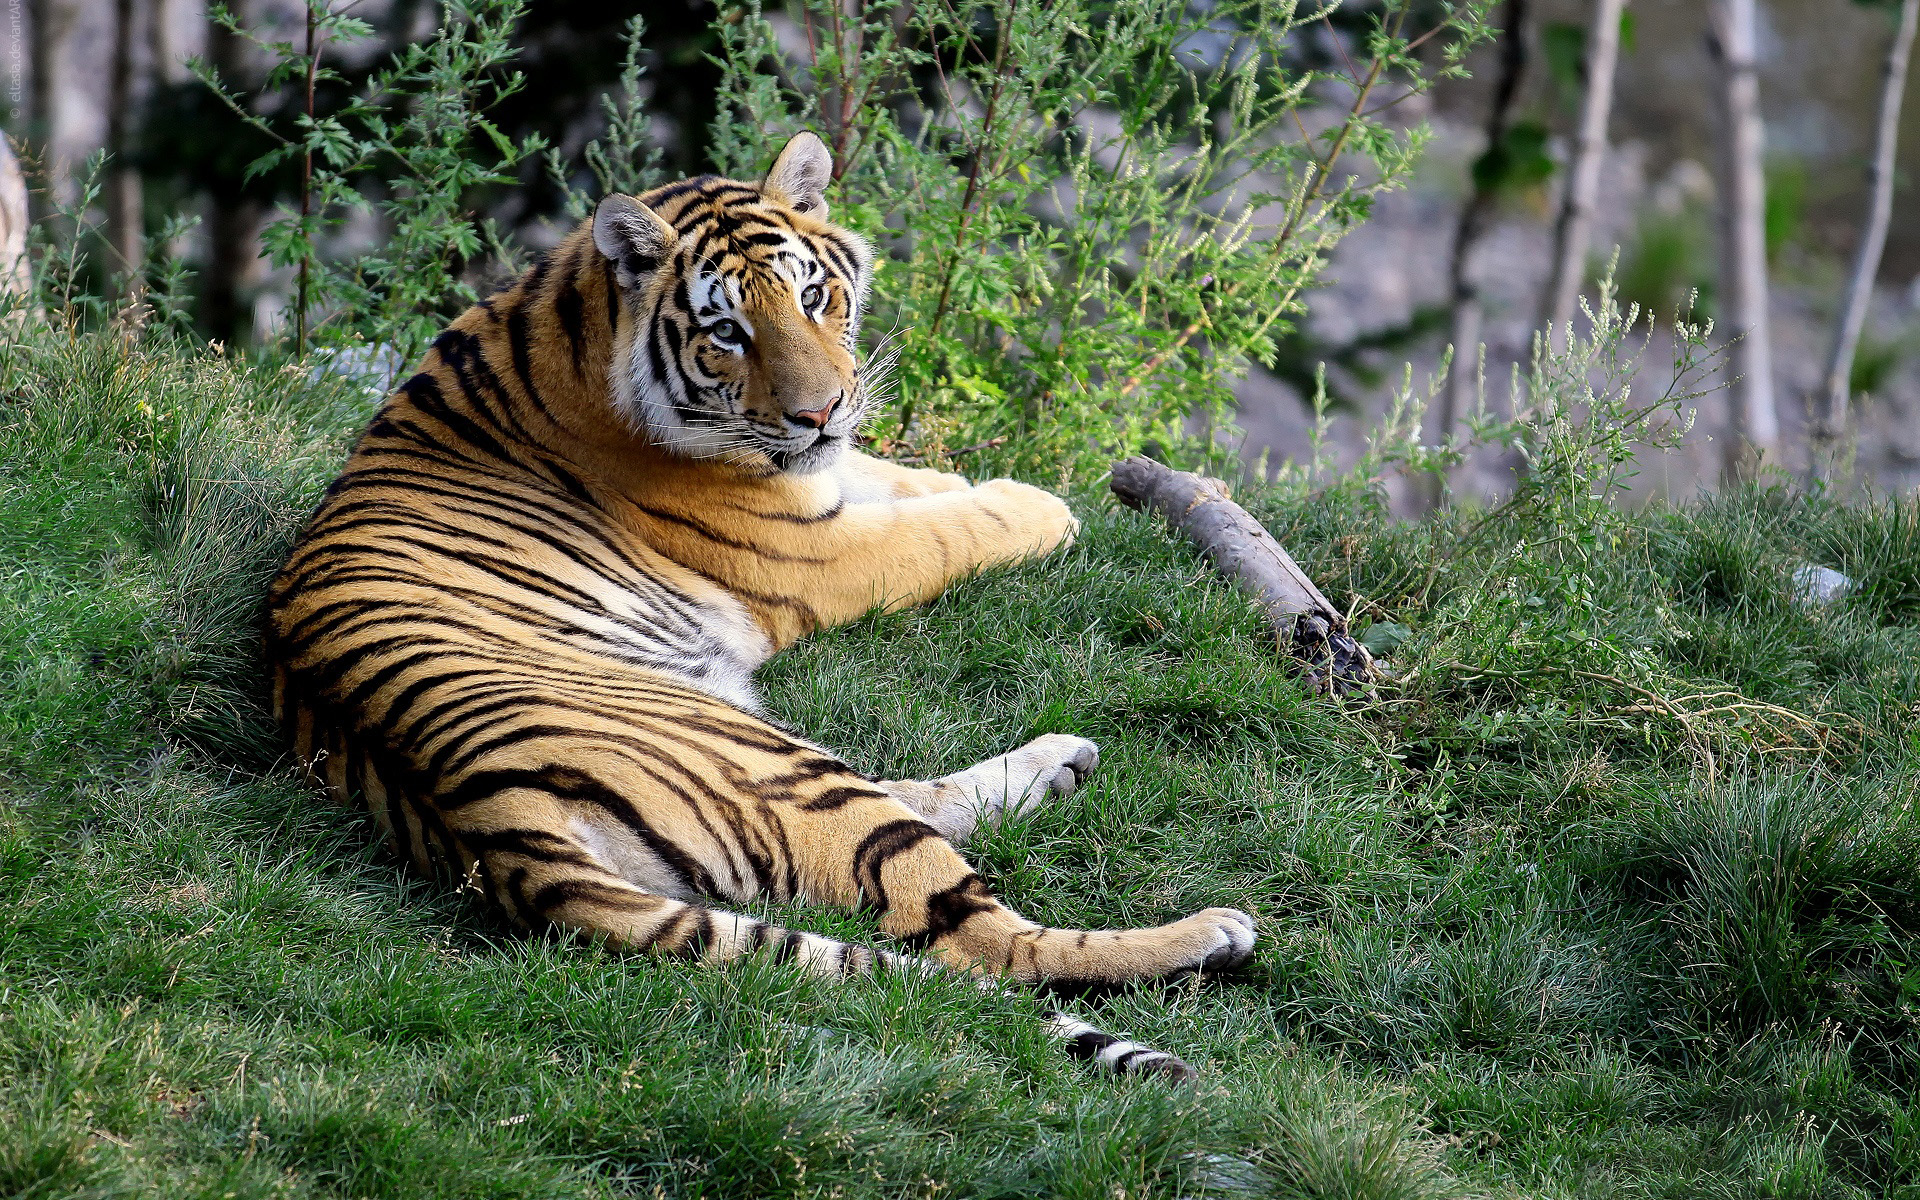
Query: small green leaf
{"type": "Point", "coordinates": [1384, 637]}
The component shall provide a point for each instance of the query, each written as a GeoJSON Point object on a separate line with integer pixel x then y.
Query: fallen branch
{"type": "Point", "coordinates": [1306, 622]}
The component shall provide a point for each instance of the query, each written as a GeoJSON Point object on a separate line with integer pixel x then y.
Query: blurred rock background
{"type": "Point", "coordinates": [71, 66]}
{"type": "Point", "coordinates": [1384, 303]}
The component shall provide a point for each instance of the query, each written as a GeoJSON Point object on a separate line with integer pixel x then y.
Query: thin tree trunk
{"type": "Point", "coordinates": [1574, 230]}
{"type": "Point", "coordinates": [303, 290]}
{"type": "Point", "coordinates": [47, 24]}
{"type": "Point", "coordinates": [233, 227]}
{"type": "Point", "coordinates": [16, 278]}
{"type": "Point", "coordinates": [1463, 279]}
{"type": "Point", "coordinates": [1830, 407]}
{"type": "Point", "coordinates": [1754, 424]}
{"type": "Point", "coordinates": [125, 211]}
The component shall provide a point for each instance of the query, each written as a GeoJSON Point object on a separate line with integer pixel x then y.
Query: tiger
{"type": "Point", "coordinates": [521, 626]}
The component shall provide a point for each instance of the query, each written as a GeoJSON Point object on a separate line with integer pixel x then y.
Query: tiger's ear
{"type": "Point", "coordinates": [801, 174]}
{"type": "Point", "coordinates": [632, 236]}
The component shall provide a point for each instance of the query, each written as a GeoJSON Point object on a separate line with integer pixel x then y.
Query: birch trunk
{"type": "Point", "coordinates": [1830, 406]}
{"type": "Point", "coordinates": [1464, 280]}
{"type": "Point", "coordinates": [1574, 230]}
{"type": "Point", "coordinates": [1753, 421]}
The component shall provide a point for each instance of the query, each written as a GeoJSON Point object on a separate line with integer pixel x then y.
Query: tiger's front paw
{"type": "Point", "coordinates": [1052, 765]}
{"type": "Point", "coordinates": [1056, 763]}
{"type": "Point", "coordinates": [1038, 521]}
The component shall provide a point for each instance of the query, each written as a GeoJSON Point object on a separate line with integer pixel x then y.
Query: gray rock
{"type": "Point", "coordinates": [376, 368]}
{"type": "Point", "coordinates": [1819, 586]}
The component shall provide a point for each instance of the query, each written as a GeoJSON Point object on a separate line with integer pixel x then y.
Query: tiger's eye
{"type": "Point", "coordinates": [810, 299]}
{"type": "Point", "coordinates": [726, 331]}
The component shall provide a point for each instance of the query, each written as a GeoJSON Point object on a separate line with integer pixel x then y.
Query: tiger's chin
{"type": "Point", "coordinates": [750, 456]}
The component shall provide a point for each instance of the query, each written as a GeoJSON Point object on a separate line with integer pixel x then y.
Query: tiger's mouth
{"type": "Point", "coordinates": [805, 460]}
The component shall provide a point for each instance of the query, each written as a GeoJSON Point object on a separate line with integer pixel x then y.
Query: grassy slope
{"type": "Point", "coordinates": [1525, 930]}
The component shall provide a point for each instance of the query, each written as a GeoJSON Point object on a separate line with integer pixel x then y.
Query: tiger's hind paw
{"type": "Point", "coordinates": [1215, 940]}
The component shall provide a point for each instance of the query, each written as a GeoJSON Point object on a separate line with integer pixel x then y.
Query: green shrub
{"type": "Point", "coordinates": [414, 149]}
{"type": "Point", "coordinates": [1097, 214]}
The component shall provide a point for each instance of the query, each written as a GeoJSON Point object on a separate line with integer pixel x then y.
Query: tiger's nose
{"type": "Point", "coordinates": [818, 417]}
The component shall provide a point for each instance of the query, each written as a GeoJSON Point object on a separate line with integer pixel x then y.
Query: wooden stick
{"type": "Point", "coordinates": [1306, 622]}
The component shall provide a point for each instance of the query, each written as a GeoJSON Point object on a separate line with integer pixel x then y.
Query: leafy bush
{"type": "Point", "coordinates": [1097, 213]}
{"type": "Point", "coordinates": [413, 149]}
{"type": "Point", "coordinates": [72, 284]}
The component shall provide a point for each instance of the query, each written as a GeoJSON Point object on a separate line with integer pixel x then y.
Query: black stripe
{"type": "Point", "coordinates": [519, 341]}
{"type": "Point", "coordinates": [424, 390]}
{"type": "Point", "coordinates": [1090, 1044]}
{"type": "Point", "coordinates": [838, 797]}
{"type": "Point", "coordinates": [789, 947]}
{"type": "Point", "coordinates": [839, 506]}
{"type": "Point", "coordinates": [612, 285]}
{"type": "Point", "coordinates": [568, 783]}
{"type": "Point", "coordinates": [950, 908]}
{"type": "Point", "coordinates": [591, 891]}
{"type": "Point", "coordinates": [571, 310]}
{"type": "Point", "coordinates": [881, 846]}
{"type": "Point", "coordinates": [713, 535]}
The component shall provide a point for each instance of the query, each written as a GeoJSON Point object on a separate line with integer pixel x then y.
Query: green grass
{"type": "Point", "coordinates": [1554, 914]}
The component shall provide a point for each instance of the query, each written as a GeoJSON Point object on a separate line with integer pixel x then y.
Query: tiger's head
{"type": "Point", "coordinates": [740, 311]}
